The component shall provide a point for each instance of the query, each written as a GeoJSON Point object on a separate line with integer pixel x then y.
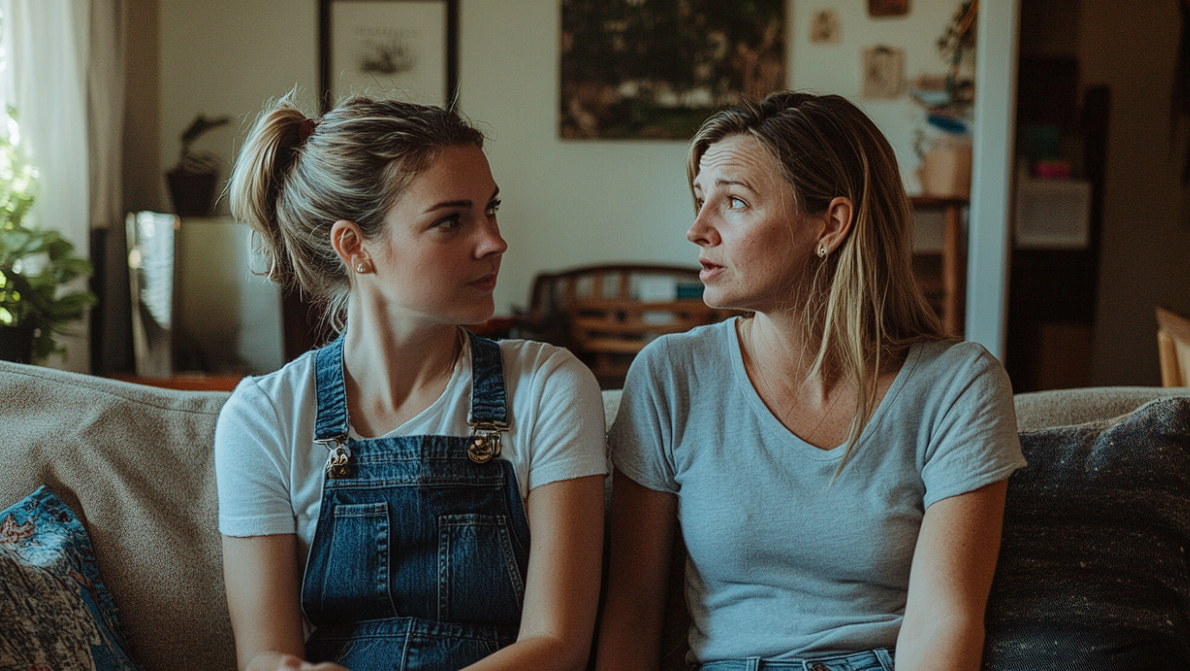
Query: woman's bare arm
{"type": "Point", "coordinates": [562, 588]}
{"type": "Point", "coordinates": [263, 584]}
{"type": "Point", "coordinates": [642, 529]}
{"type": "Point", "coordinates": [953, 565]}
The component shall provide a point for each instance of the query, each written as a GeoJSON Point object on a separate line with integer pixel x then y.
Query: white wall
{"type": "Point", "coordinates": [565, 202]}
{"type": "Point", "coordinates": [229, 57]}
{"type": "Point", "coordinates": [568, 202]}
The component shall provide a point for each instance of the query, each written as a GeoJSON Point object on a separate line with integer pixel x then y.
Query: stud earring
{"type": "Point", "coordinates": [359, 268]}
{"type": "Point", "coordinates": [822, 252]}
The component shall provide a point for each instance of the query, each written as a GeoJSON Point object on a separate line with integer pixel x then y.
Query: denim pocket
{"type": "Point", "coordinates": [479, 579]}
{"type": "Point", "coordinates": [355, 577]}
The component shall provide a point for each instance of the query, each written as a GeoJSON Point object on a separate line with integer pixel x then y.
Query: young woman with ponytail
{"type": "Point", "coordinates": [377, 495]}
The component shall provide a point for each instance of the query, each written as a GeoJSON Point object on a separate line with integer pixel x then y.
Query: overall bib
{"type": "Point", "coordinates": [419, 558]}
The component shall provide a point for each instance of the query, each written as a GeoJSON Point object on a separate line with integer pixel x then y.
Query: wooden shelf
{"type": "Point", "coordinates": [951, 275]}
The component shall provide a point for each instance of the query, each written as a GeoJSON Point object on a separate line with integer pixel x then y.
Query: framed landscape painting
{"type": "Point", "coordinates": [657, 69]}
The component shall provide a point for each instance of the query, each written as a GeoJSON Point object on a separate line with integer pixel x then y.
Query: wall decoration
{"type": "Point", "coordinates": [398, 48]}
{"type": "Point", "coordinates": [635, 69]}
{"type": "Point", "coordinates": [888, 7]}
{"type": "Point", "coordinates": [884, 72]}
{"type": "Point", "coordinates": [824, 27]}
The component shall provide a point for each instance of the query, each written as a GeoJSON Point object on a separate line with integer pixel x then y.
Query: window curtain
{"type": "Point", "coordinates": [63, 75]}
{"type": "Point", "coordinates": [111, 328]}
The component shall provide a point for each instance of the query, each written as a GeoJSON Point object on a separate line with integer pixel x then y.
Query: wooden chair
{"type": "Point", "coordinates": [1173, 347]}
{"type": "Point", "coordinates": [605, 314]}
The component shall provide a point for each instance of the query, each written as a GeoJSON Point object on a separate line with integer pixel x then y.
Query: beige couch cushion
{"type": "Point", "coordinates": [1061, 407]}
{"type": "Point", "coordinates": [136, 465]}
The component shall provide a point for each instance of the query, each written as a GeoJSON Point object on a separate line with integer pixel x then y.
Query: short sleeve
{"type": "Point", "coordinates": [568, 432]}
{"type": "Point", "coordinates": [974, 438]}
{"type": "Point", "coordinates": [641, 438]}
{"type": "Point", "coordinates": [252, 466]}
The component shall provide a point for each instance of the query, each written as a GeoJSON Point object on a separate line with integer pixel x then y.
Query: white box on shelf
{"type": "Point", "coordinates": [1053, 214]}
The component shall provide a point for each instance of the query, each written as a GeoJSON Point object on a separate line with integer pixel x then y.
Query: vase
{"type": "Point", "coordinates": [945, 172]}
{"type": "Point", "coordinates": [16, 344]}
{"type": "Point", "coordinates": [193, 193]}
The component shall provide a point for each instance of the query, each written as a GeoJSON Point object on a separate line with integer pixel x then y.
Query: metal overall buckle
{"type": "Point", "coordinates": [485, 441]}
{"type": "Point", "coordinates": [338, 465]}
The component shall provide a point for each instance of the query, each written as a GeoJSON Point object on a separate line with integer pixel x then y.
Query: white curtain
{"type": "Point", "coordinates": [56, 51]}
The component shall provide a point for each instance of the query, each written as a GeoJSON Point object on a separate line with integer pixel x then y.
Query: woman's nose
{"type": "Point", "coordinates": [700, 231]}
{"type": "Point", "coordinates": [492, 242]}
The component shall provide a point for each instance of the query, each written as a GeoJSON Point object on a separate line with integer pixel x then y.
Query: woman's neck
{"type": "Point", "coordinates": [393, 372]}
{"type": "Point", "coordinates": [780, 346]}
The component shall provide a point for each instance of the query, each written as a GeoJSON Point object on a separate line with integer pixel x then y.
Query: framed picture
{"type": "Point", "coordinates": [884, 72]}
{"type": "Point", "coordinates": [656, 70]}
{"type": "Point", "coordinates": [888, 7]}
{"type": "Point", "coordinates": [405, 49]}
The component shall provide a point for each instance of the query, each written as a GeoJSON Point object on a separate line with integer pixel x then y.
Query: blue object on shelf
{"type": "Point", "coordinates": [948, 124]}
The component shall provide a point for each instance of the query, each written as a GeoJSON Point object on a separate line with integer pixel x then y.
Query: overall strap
{"type": "Point", "coordinates": [489, 397]}
{"type": "Point", "coordinates": [489, 415]}
{"type": "Point", "coordinates": [330, 422]}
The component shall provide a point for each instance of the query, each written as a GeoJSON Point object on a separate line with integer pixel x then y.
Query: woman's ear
{"type": "Point", "coordinates": [836, 224]}
{"type": "Point", "coordinates": [348, 242]}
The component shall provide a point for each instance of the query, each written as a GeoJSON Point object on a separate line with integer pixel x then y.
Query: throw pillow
{"type": "Point", "coordinates": [1093, 570]}
{"type": "Point", "coordinates": [55, 612]}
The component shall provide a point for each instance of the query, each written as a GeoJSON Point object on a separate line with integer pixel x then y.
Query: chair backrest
{"type": "Point", "coordinates": [1173, 346]}
{"type": "Point", "coordinates": [605, 314]}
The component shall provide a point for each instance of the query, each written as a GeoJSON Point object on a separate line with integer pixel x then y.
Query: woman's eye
{"type": "Point", "coordinates": [698, 203]}
{"type": "Point", "coordinates": [448, 223]}
{"type": "Point", "coordinates": [493, 207]}
{"type": "Point", "coordinates": [734, 203]}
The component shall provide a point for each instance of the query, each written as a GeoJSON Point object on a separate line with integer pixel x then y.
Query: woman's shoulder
{"type": "Point", "coordinates": [287, 382]}
{"type": "Point", "coordinates": [945, 371]}
{"type": "Point", "coordinates": [543, 363]}
{"type": "Point", "coordinates": [952, 355]}
{"type": "Point", "coordinates": [534, 354]}
{"type": "Point", "coordinates": [697, 343]}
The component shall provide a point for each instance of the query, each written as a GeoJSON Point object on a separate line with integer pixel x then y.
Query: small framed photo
{"type": "Point", "coordinates": [888, 7]}
{"type": "Point", "coordinates": [406, 49]}
{"type": "Point", "coordinates": [824, 27]}
{"type": "Point", "coordinates": [884, 72]}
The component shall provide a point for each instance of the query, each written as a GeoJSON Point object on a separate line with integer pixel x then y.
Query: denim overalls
{"type": "Point", "coordinates": [418, 561]}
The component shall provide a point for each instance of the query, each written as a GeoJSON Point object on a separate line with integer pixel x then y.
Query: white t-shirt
{"type": "Point", "coordinates": [270, 470]}
{"type": "Point", "coordinates": [784, 563]}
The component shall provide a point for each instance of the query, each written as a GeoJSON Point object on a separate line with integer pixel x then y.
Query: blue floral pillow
{"type": "Point", "coordinates": [1093, 570]}
{"type": "Point", "coordinates": [55, 612]}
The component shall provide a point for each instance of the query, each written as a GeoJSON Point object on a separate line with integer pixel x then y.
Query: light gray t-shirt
{"type": "Point", "coordinates": [783, 564]}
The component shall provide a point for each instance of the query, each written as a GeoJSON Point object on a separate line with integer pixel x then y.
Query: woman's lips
{"type": "Point", "coordinates": [485, 283]}
{"type": "Point", "coordinates": [709, 270]}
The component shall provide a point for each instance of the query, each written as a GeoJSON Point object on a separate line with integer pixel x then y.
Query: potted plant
{"type": "Point", "coordinates": [35, 266]}
{"type": "Point", "coordinates": [192, 181]}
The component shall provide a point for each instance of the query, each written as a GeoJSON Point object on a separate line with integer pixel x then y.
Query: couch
{"type": "Point", "coordinates": [134, 463]}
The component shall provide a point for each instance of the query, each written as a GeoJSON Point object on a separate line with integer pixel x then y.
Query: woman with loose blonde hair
{"type": "Point", "coordinates": [376, 496]}
{"type": "Point", "coordinates": [835, 464]}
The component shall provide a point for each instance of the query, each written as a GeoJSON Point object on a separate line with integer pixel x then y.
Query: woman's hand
{"type": "Point", "coordinates": [273, 661]}
{"type": "Point", "coordinates": [949, 582]}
